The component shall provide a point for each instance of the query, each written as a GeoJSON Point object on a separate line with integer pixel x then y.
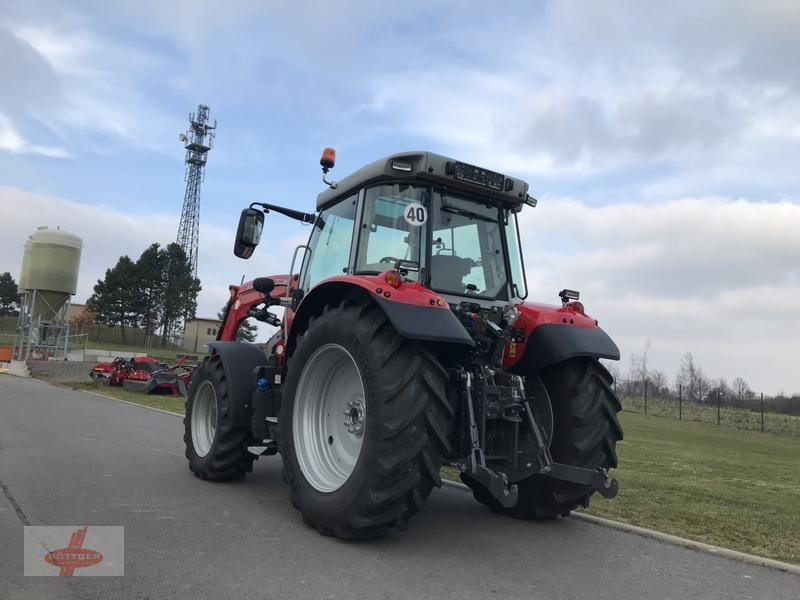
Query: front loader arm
{"type": "Point", "coordinates": [244, 298]}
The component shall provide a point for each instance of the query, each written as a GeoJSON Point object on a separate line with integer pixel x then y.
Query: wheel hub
{"type": "Point", "coordinates": [354, 416]}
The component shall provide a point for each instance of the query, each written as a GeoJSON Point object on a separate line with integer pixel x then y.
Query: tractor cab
{"type": "Point", "coordinates": [446, 225]}
{"type": "Point", "coordinates": [456, 244]}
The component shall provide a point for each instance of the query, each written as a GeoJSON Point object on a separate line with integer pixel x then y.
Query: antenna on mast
{"type": "Point", "coordinates": [198, 140]}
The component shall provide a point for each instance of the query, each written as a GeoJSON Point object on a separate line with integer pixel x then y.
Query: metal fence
{"type": "Point", "coordinates": [753, 412]}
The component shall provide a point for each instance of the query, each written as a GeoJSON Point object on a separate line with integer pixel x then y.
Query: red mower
{"type": "Point", "coordinates": [407, 343]}
{"type": "Point", "coordinates": [139, 368]}
{"type": "Point", "coordinates": [173, 380]}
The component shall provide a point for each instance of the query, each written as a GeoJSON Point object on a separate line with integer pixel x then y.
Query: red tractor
{"type": "Point", "coordinates": [406, 344]}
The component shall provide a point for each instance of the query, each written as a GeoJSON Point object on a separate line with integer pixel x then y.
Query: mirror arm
{"type": "Point", "coordinates": [292, 214]}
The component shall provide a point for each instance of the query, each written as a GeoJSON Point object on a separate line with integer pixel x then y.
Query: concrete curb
{"type": "Point", "coordinates": [675, 540]}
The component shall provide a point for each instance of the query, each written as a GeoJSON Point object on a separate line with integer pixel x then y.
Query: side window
{"type": "Point", "coordinates": [515, 256]}
{"type": "Point", "coordinates": [330, 243]}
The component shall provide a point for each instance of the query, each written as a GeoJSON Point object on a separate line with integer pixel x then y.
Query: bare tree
{"type": "Point", "coordinates": [658, 382]}
{"type": "Point", "coordinates": [721, 391]}
{"type": "Point", "coordinates": [639, 370]}
{"type": "Point", "coordinates": [740, 388]}
{"type": "Point", "coordinates": [691, 377]}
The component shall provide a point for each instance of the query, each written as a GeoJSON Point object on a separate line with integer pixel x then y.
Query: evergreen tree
{"type": "Point", "coordinates": [179, 300]}
{"type": "Point", "coordinates": [247, 330]}
{"type": "Point", "coordinates": [9, 295]}
{"type": "Point", "coordinates": [116, 297]}
{"type": "Point", "coordinates": [150, 273]}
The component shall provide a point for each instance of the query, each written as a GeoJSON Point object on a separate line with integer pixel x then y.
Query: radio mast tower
{"type": "Point", "coordinates": [198, 140]}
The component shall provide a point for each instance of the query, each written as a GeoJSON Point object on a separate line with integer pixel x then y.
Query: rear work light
{"type": "Point", "coordinates": [576, 307]}
{"type": "Point", "coordinates": [393, 278]}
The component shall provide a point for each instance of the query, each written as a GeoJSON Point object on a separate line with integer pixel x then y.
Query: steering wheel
{"type": "Point", "coordinates": [389, 259]}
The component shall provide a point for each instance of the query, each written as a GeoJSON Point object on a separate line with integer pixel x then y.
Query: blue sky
{"type": "Point", "coordinates": [662, 141]}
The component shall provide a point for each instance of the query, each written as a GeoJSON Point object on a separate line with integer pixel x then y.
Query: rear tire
{"type": "Point", "coordinates": [585, 434]}
{"type": "Point", "coordinates": [406, 420]}
{"type": "Point", "coordinates": [215, 447]}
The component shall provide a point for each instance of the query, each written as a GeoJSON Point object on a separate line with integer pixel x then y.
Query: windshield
{"type": "Point", "coordinates": [467, 248]}
{"type": "Point", "coordinates": [467, 254]}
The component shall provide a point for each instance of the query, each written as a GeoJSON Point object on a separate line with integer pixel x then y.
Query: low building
{"type": "Point", "coordinates": [199, 332]}
{"type": "Point", "coordinates": [75, 310]}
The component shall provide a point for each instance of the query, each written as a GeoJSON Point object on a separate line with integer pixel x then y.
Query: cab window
{"type": "Point", "coordinates": [467, 253]}
{"type": "Point", "coordinates": [330, 243]}
{"type": "Point", "coordinates": [393, 230]}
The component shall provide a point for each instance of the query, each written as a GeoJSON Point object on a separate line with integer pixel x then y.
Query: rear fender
{"type": "Point", "coordinates": [415, 311]}
{"type": "Point", "coordinates": [552, 334]}
{"type": "Point", "coordinates": [239, 361]}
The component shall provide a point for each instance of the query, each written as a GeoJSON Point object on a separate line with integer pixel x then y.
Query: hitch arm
{"type": "Point", "coordinates": [479, 476]}
{"type": "Point", "coordinates": [597, 479]}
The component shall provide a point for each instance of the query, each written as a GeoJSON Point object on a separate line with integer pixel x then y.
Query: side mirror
{"type": "Point", "coordinates": [251, 222]}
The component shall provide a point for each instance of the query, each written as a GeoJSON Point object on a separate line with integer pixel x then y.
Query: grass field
{"type": "Point", "coordinates": [731, 488]}
{"type": "Point", "coordinates": [723, 486]}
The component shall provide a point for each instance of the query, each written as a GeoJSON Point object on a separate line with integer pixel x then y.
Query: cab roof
{"type": "Point", "coordinates": [432, 168]}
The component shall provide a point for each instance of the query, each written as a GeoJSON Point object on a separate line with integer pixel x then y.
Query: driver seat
{"type": "Point", "coordinates": [448, 272]}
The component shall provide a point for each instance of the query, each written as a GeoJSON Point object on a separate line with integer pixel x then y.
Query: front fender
{"type": "Point", "coordinates": [239, 361]}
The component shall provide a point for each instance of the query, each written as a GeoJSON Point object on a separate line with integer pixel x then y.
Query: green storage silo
{"type": "Point", "coordinates": [50, 271]}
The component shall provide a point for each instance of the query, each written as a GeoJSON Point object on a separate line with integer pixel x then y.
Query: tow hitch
{"type": "Point", "coordinates": [596, 479]}
{"type": "Point", "coordinates": [479, 476]}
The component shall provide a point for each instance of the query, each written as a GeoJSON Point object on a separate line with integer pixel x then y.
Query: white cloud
{"type": "Point", "coordinates": [713, 276]}
{"type": "Point", "coordinates": [669, 100]}
{"type": "Point", "coordinates": [89, 91]}
{"type": "Point", "coordinates": [12, 141]}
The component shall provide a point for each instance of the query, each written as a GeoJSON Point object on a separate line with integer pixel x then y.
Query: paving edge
{"type": "Point", "coordinates": [99, 395]}
{"type": "Point", "coordinates": [675, 540]}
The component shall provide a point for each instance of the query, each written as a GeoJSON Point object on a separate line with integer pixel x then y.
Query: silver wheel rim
{"type": "Point", "coordinates": [204, 418]}
{"type": "Point", "coordinates": [329, 418]}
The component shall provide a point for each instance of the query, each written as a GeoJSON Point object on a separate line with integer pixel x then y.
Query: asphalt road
{"type": "Point", "coordinates": [69, 458]}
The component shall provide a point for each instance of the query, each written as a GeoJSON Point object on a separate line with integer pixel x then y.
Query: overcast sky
{"type": "Point", "coordinates": [662, 139]}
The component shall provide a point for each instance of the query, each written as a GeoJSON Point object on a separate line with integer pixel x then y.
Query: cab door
{"type": "Point", "coordinates": [330, 244]}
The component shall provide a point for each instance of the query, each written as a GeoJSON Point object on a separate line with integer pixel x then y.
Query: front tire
{"type": "Point", "coordinates": [365, 421]}
{"type": "Point", "coordinates": [215, 447]}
